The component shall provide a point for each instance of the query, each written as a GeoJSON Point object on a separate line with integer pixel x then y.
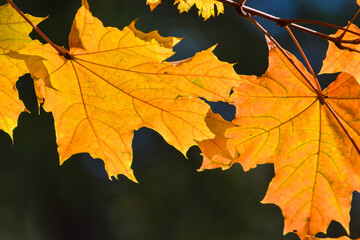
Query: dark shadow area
{"type": "Point", "coordinates": [226, 110]}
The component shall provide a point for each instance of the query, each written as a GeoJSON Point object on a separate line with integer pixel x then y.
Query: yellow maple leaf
{"type": "Point", "coordinates": [280, 119]}
{"type": "Point", "coordinates": [14, 31]}
{"type": "Point", "coordinates": [113, 82]}
{"type": "Point", "coordinates": [206, 7]}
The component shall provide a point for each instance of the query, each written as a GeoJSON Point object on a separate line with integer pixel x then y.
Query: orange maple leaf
{"type": "Point", "coordinates": [280, 119]}
{"type": "Point", "coordinates": [14, 35]}
{"type": "Point", "coordinates": [206, 7]}
{"type": "Point", "coordinates": [339, 60]}
{"type": "Point", "coordinates": [113, 82]}
{"type": "Point", "coordinates": [340, 238]}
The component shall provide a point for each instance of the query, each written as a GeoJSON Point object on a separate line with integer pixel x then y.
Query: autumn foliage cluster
{"type": "Point", "coordinates": [111, 82]}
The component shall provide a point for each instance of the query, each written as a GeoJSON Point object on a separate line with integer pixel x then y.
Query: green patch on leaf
{"type": "Point", "coordinates": [198, 82]}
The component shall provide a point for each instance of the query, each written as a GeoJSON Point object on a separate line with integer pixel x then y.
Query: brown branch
{"type": "Point", "coordinates": [317, 90]}
{"type": "Point", "coordinates": [351, 21]}
{"type": "Point", "coordinates": [61, 51]}
{"type": "Point", "coordinates": [324, 24]}
{"type": "Point", "coordinates": [282, 22]}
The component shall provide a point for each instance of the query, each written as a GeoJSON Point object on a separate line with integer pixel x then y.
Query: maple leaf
{"type": "Point", "coordinates": [153, 3]}
{"type": "Point", "coordinates": [339, 60]}
{"type": "Point", "coordinates": [14, 31]}
{"type": "Point", "coordinates": [280, 119]}
{"type": "Point", "coordinates": [340, 238]}
{"type": "Point", "coordinates": [206, 7]}
{"type": "Point", "coordinates": [215, 153]}
{"type": "Point", "coordinates": [113, 82]}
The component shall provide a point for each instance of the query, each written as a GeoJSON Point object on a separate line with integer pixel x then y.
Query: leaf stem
{"type": "Point", "coordinates": [61, 51]}
{"type": "Point", "coordinates": [316, 90]}
{"type": "Point", "coordinates": [351, 21]}
{"type": "Point", "coordinates": [304, 56]}
{"type": "Point", "coordinates": [336, 116]}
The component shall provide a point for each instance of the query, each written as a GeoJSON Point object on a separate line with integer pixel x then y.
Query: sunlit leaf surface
{"type": "Point", "coordinates": [280, 120]}
{"type": "Point", "coordinates": [113, 82]}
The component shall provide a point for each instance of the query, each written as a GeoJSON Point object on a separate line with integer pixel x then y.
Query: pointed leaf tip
{"type": "Point", "coordinates": [342, 60]}
{"type": "Point", "coordinates": [270, 44]}
{"type": "Point", "coordinates": [85, 4]}
{"type": "Point", "coordinates": [153, 4]}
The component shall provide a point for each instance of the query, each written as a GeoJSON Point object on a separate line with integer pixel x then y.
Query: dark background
{"type": "Point", "coordinates": [40, 200]}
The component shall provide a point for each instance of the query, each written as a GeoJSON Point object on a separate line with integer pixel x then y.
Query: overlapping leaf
{"type": "Point", "coordinates": [280, 119]}
{"type": "Point", "coordinates": [215, 152]}
{"type": "Point", "coordinates": [14, 31]}
{"type": "Point", "coordinates": [339, 60]}
{"type": "Point", "coordinates": [113, 82]}
{"type": "Point", "coordinates": [206, 7]}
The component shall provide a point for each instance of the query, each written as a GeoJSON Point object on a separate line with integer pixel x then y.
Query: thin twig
{"type": "Point", "coordinates": [336, 116]}
{"type": "Point", "coordinates": [324, 24]}
{"type": "Point", "coordinates": [61, 51]}
{"type": "Point", "coordinates": [304, 56]}
{"type": "Point", "coordinates": [317, 91]}
{"type": "Point", "coordinates": [288, 22]}
{"type": "Point", "coordinates": [351, 21]}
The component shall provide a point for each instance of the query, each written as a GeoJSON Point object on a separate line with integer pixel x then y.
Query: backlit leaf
{"type": "Point", "coordinates": [206, 8]}
{"type": "Point", "coordinates": [114, 82]}
{"type": "Point", "coordinates": [339, 60]}
{"type": "Point", "coordinates": [14, 31]}
{"type": "Point", "coordinates": [280, 119]}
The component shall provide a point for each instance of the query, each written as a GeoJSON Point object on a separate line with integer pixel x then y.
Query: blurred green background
{"type": "Point", "coordinates": [40, 200]}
